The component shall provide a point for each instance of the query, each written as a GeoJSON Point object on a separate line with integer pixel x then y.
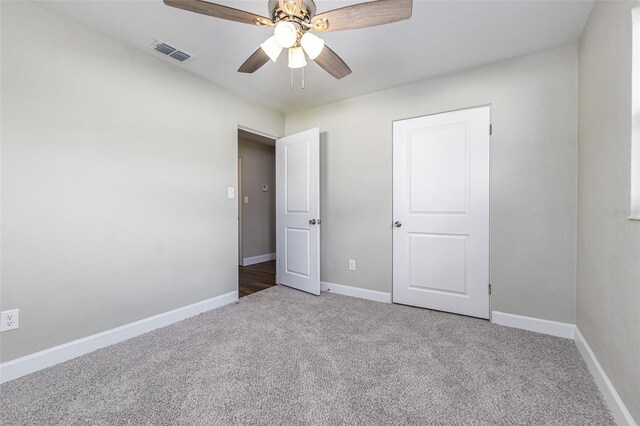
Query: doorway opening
{"type": "Point", "coordinates": [256, 212]}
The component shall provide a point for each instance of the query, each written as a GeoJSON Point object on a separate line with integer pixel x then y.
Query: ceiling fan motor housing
{"type": "Point", "coordinates": [308, 10]}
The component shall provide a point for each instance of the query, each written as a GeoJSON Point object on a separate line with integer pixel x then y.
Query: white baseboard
{"type": "Point", "coordinates": [37, 361]}
{"type": "Point", "coordinates": [19, 367]}
{"type": "Point", "coordinates": [258, 259]}
{"type": "Point", "coordinates": [570, 331]}
{"type": "Point", "coordinates": [619, 411]}
{"type": "Point", "coordinates": [376, 296]}
{"type": "Point", "coordinates": [554, 328]}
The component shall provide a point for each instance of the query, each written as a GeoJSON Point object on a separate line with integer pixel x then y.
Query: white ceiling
{"type": "Point", "coordinates": [441, 37]}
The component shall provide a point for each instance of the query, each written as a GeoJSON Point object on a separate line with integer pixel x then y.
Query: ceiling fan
{"type": "Point", "coordinates": [293, 21]}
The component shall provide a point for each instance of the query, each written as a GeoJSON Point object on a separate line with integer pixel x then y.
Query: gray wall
{"type": "Point", "coordinates": [534, 177]}
{"type": "Point", "coordinates": [114, 183]}
{"type": "Point", "coordinates": [115, 168]}
{"type": "Point", "coordinates": [259, 216]}
{"type": "Point", "coordinates": [608, 289]}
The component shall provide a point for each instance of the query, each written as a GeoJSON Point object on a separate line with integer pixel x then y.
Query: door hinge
{"type": "Point", "coordinates": [490, 129]}
{"type": "Point", "coordinates": [489, 288]}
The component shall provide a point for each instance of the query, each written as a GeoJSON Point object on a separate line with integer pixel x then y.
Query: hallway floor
{"type": "Point", "coordinates": [255, 278]}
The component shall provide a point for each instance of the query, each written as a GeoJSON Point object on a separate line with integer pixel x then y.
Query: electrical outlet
{"type": "Point", "coordinates": [9, 320]}
{"type": "Point", "coordinates": [352, 264]}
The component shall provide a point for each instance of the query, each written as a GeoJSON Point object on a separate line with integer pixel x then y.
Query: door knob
{"type": "Point", "coordinates": [312, 222]}
{"type": "Point", "coordinates": [397, 224]}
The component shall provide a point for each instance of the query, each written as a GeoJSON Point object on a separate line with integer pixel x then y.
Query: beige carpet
{"type": "Point", "coordinates": [284, 357]}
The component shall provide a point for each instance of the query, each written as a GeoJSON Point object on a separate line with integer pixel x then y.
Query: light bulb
{"type": "Point", "coordinates": [312, 44]}
{"type": "Point", "coordinates": [286, 34]}
{"type": "Point", "coordinates": [296, 58]}
{"type": "Point", "coordinates": [272, 48]}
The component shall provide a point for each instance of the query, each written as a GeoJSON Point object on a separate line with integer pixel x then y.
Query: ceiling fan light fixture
{"type": "Point", "coordinates": [296, 58]}
{"type": "Point", "coordinates": [292, 19]}
{"type": "Point", "coordinates": [286, 34]}
{"type": "Point", "coordinates": [272, 48]}
{"type": "Point", "coordinates": [312, 45]}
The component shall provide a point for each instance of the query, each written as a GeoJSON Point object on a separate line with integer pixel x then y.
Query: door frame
{"type": "Point", "coordinates": [240, 248]}
{"type": "Point", "coordinates": [490, 105]}
{"type": "Point", "coordinates": [239, 186]}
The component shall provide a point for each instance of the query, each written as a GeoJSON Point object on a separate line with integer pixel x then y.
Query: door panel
{"type": "Point", "coordinates": [434, 262]}
{"type": "Point", "coordinates": [297, 171]}
{"type": "Point", "coordinates": [436, 156]}
{"type": "Point", "coordinates": [441, 201]}
{"type": "Point", "coordinates": [298, 210]}
{"type": "Point", "coordinates": [297, 245]}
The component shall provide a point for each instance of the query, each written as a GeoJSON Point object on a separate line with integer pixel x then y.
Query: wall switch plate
{"type": "Point", "coordinates": [9, 320]}
{"type": "Point", "coordinates": [231, 192]}
{"type": "Point", "coordinates": [352, 264]}
{"type": "Point", "coordinates": [246, 199]}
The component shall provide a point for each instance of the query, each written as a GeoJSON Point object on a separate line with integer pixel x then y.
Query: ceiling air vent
{"type": "Point", "coordinates": [181, 56]}
{"type": "Point", "coordinates": [171, 51]}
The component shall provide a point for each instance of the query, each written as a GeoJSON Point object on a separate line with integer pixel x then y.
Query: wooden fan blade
{"type": "Point", "coordinates": [363, 15]}
{"type": "Point", "coordinates": [332, 63]}
{"type": "Point", "coordinates": [219, 11]}
{"type": "Point", "coordinates": [254, 62]}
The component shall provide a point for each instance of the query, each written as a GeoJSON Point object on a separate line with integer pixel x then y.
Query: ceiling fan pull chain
{"type": "Point", "coordinates": [303, 78]}
{"type": "Point", "coordinates": [291, 78]}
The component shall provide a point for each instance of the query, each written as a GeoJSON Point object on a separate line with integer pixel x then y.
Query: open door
{"type": "Point", "coordinates": [298, 210]}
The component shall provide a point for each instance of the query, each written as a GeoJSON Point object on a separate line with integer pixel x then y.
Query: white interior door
{"type": "Point", "coordinates": [298, 210]}
{"type": "Point", "coordinates": [441, 212]}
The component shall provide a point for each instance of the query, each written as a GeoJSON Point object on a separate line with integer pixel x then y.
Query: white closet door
{"type": "Point", "coordinates": [441, 212]}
